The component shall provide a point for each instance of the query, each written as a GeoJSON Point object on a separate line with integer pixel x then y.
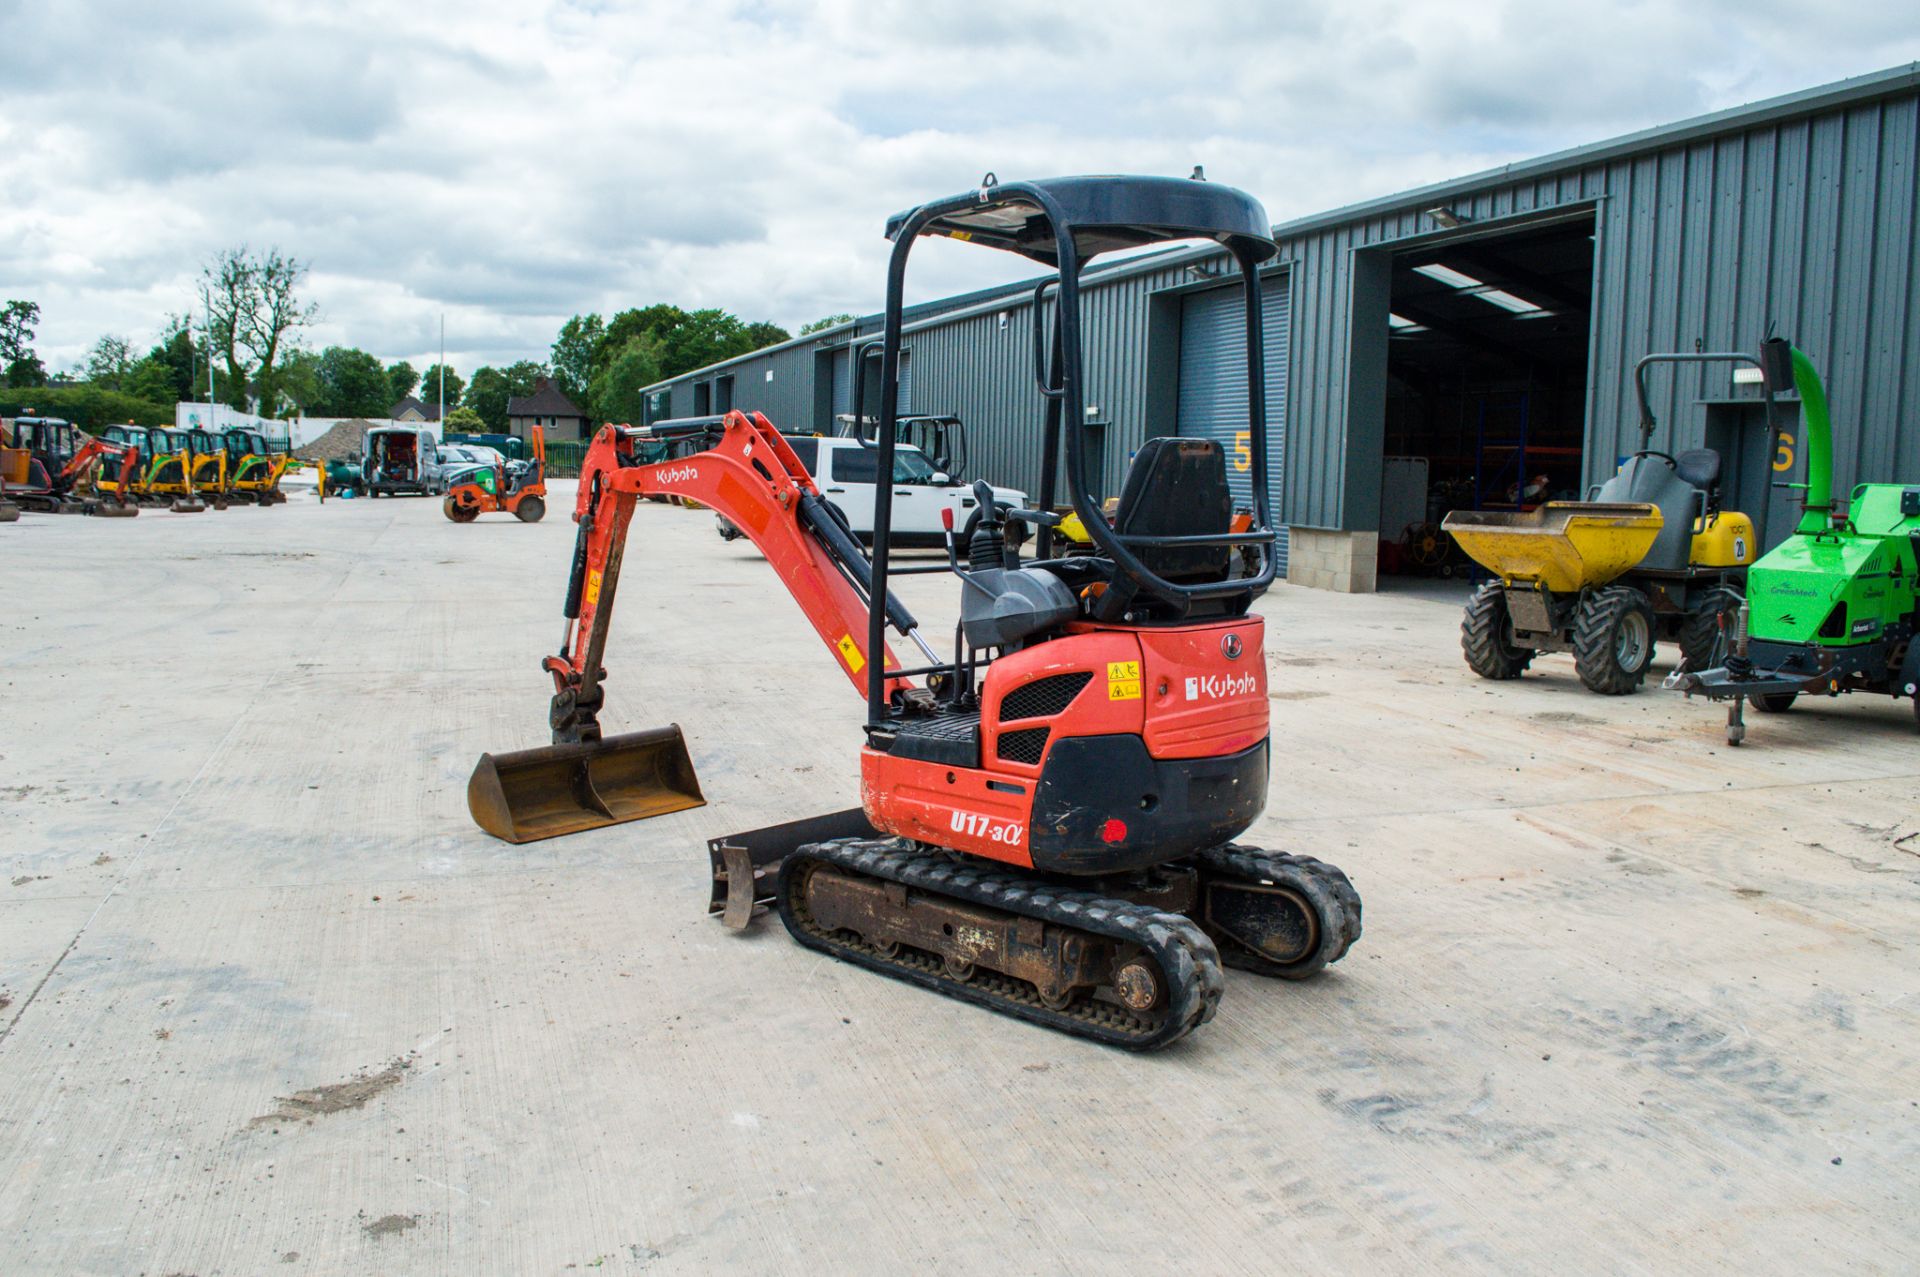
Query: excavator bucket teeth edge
{"type": "Point", "coordinates": [553, 790]}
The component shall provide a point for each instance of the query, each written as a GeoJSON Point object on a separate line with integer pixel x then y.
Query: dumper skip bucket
{"type": "Point", "coordinates": [562, 789]}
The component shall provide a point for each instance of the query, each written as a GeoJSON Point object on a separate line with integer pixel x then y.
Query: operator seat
{"type": "Point", "coordinates": [1175, 487]}
{"type": "Point", "coordinates": [1699, 467]}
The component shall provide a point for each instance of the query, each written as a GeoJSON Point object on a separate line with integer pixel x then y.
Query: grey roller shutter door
{"type": "Point", "coordinates": [906, 382]}
{"type": "Point", "coordinates": [1213, 387]}
{"type": "Point", "coordinates": [842, 386]}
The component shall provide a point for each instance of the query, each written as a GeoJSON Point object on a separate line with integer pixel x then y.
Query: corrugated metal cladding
{"type": "Point", "coordinates": [1213, 385]}
{"type": "Point", "coordinates": [1803, 225]}
{"type": "Point", "coordinates": [1797, 215]}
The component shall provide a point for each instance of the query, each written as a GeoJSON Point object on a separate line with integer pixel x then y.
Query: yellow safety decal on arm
{"type": "Point", "coordinates": [850, 652]}
{"type": "Point", "coordinates": [1123, 680]}
{"type": "Point", "coordinates": [593, 588]}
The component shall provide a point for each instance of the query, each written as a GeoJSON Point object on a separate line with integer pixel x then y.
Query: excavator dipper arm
{"type": "Point", "coordinates": [748, 474]}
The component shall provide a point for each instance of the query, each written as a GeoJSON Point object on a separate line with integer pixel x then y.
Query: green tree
{"type": "Point", "coordinates": [109, 362]}
{"type": "Point", "coordinates": [487, 395]}
{"type": "Point", "coordinates": [616, 392]}
{"type": "Point", "coordinates": [686, 339]}
{"type": "Point", "coordinates": [352, 383]}
{"type": "Point", "coordinates": [764, 334]}
{"type": "Point", "coordinates": [574, 353]}
{"type": "Point", "coordinates": [151, 380]}
{"type": "Point", "coordinates": [491, 388]}
{"type": "Point", "coordinates": [401, 379]}
{"type": "Point", "coordinates": [18, 320]}
{"type": "Point", "coordinates": [821, 325]}
{"type": "Point", "coordinates": [430, 387]}
{"type": "Point", "coordinates": [299, 380]}
{"type": "Point", "coordinates": [465, 421]}
{"type": "Point", "coordinates": [253, 306]}
{"type": "Point", "coordinates": [182, 352]}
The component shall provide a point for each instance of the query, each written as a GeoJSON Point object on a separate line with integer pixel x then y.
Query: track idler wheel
{"type": "Point", "coordinates": [1276, 914]}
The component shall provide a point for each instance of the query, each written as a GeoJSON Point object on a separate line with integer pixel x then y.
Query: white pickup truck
{"type": "Point", "coordinates": [845, 471]}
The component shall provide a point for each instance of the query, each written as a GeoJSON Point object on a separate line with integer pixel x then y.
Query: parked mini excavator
{"type": "Point", "coordinates": [1047, 813]}
{"type": "Point", "coordinates": [61, 460]}
{"type": "Point", "coordinates": [1836, 606]}
{"type": "Point", "coordinates": [253, 469]}
{"type": "Point", "coordinates": [518, 487]}
{"type": "Point", "coordinates": [1660, 550]}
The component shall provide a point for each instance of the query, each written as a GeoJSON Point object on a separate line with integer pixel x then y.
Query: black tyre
{"type": "Point", "coordinates": [1706, 629]}
{"type": "Point", "coordinates": [1486, 636]}
{"type": "Point", "coordinates": [1613, 640]}
{"type": "Point", "coordinates": [530, 510]}
{"type": "Point", "coordinates": [1775, 702]}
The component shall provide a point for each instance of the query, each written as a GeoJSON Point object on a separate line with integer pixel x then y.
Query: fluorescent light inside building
{"type": "Point", "coordinates": [1507, 301]}
{"type": "Point", "coordinates": [1401, 321]}
{"type": "Point", "coordinates": [1747, 377]}
{"type": "Point", "coordinates": [1448, 276]}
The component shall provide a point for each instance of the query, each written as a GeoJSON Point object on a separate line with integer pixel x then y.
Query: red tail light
{"type": "Point", "coordinates": [1113, 831]}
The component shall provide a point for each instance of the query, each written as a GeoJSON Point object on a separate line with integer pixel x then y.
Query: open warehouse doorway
{"type": "Point", "coordinates": [1486, 383]}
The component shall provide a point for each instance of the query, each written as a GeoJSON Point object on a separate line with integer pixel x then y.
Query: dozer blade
{"type": "Point", "coordinates": [183, 506]}
{"type": "Point", "coordinates": [562, 789]}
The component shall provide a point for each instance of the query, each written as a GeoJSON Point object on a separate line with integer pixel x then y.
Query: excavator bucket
{"type": "Point", "coordinates": [562, 789]}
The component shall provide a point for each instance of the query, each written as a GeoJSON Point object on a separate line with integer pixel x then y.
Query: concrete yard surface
{"type": "Point", "coordinates": [1627, 1000]}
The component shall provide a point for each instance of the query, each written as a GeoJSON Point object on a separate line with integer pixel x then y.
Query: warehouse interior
{"type": "Point", "coordinates": [1486, 384]}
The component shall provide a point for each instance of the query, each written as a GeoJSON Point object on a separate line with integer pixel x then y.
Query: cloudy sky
{"type": "Point", "coordinates": [509, 163]}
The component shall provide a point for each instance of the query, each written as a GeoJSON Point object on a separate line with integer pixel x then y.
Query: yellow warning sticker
{"type": "Point", "coordinates": [593, 588]}
{"type": "Point", "coordinates": [1123, 680]}
{"type": "Point", "coordinates": [850, 652]}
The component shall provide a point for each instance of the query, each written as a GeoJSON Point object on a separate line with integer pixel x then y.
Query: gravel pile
{"type": "Point", "coordinates": [342, 443]}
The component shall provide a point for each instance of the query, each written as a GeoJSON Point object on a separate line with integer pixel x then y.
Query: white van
{"type": "Point", "coordinates": [844, 470]}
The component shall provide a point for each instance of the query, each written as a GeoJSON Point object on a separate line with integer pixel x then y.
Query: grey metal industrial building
{"type": "Point", "coordinates": [1482, 332]}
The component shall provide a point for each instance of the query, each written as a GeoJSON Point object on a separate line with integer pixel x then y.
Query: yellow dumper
{"type": "Point", "coordinates": [1657, 551]}
{"type": "Point", "coordinates": [1562, 547]}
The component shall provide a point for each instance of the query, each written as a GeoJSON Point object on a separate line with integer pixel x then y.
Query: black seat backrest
{"type": "Point", "coordinates": [1178, 487]}
{"type": "Point", "coordinates": [1699, 467]}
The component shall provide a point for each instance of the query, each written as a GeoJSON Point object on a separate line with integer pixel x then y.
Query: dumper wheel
{"type": "Point", "coordinates": [530, 510]}
{"type": "Point", "coordinates": [457, 512]}
{"type": "Point", "coordinates": [1707, 628]}
{"type": "Point", "coordinates": [1486, 636]}
{"type": "Point", "coordinates": [1613, 640]}
{"type": "Point", "coordinates": [1779, 702]}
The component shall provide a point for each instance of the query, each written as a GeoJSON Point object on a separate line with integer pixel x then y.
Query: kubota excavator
{"type": "Point", "coordinates": [1047, 812]}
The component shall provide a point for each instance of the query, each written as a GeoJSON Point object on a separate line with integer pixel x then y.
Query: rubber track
{"type": "Point", "coordinates": [1593, 627]}
{"type": "Point", "coordinates": [1480, 636]}
{"type": "Point", "coordinates": [1186, 955]}
{"type": "Point", "coordinates": [1325, 887]}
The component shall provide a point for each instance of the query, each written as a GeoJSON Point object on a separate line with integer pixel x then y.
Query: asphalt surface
{"type": "Point", "coordinates": [1627, 1000]}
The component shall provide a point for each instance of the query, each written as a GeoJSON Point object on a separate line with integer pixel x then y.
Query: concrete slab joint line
{"type": "Point", "coordinates": [1613, 970]}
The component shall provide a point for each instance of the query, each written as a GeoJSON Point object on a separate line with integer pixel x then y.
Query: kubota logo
{"type": "Point", "coordinates": [1218, 687]}
{"type": "Point", "coordinates": [679, 474]}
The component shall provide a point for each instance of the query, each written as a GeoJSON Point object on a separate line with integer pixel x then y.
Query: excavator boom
{"type": "Point", "coordinates": [746, 472]}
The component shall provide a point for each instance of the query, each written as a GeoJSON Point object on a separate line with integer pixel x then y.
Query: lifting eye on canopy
{"type": "Point", "coordinates": [1102, 214]}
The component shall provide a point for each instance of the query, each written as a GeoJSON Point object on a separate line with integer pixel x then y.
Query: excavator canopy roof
{"type": "Point", "coordinates": [1103, 214]}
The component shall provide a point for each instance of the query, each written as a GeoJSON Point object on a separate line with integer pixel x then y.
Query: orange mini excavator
{"type": "Point", "coordinates": [1047, 812]}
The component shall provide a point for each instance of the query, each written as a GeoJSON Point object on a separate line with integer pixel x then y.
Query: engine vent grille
{"type": "Point", "coordinates": [1023, 746]}
{"type": "Point", "coordinates": [1044, 697]}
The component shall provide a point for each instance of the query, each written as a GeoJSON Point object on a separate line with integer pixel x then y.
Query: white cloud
{"type": "Point", "coordinates": [511, 165]}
